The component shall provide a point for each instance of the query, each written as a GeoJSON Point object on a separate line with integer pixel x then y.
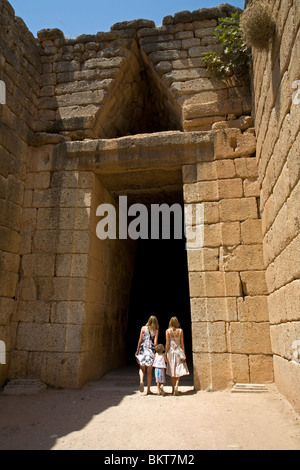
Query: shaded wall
{"type": "Point", "coordinates": [20, 67]}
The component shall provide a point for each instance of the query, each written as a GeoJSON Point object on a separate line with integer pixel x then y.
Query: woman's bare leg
{"type": "Point", "coordinates": [149, 378]}
{"type": "Point", "coordinates": [142, 374]}
{"type": "Point", "coordinates": [176, 385]}
{"type": "Point", "coordinates": [173, 379]}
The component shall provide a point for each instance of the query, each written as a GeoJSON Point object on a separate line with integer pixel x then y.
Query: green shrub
{"type": "Point", "coordinates": [235, 57]}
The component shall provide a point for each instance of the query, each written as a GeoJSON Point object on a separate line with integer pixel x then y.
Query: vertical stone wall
{"type": "Point", "coordinates": [19, 69]}
{"type": "Point", "coordinates": [110, 271]}
{"type": "Point", "coordinates": [230, 327]}
{"type": "Point", "coordinates": [71, 306]}
{"type": "Point", "coordinates": [277, 122]}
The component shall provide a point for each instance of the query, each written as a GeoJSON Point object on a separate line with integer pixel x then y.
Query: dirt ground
{"type": "Point", "coordinates": [111, 414]}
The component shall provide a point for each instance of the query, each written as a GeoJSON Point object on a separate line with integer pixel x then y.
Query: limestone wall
{"type": "Point", "coordinates": [137, 78]}
{"type": "Point", "coordinates": [230, 325]}
{"type": "Point", "coordinates": [63, 292]}
{"type": "Point", "coordinates": [20, 67]}
{"type": "Point", "coordinates": [72, 291]}
{"type": "Point", "coordinates": [277, 122]}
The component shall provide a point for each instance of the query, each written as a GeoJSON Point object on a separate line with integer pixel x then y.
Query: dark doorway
{"type": "Point", "coordinates": [160, 287]}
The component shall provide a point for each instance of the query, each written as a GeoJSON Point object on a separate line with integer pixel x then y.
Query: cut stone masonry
{"type": "Point", "coordinates": [134, 112]}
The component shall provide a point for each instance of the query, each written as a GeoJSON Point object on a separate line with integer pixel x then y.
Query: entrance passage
{"type": "Point", "coordinates": [160, 287]}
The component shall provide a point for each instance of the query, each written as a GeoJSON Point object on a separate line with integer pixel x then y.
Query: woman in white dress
{"type": "Point", "coordinates": [145, 351]}
{"type": "Point", "coordinates": [176, 366]}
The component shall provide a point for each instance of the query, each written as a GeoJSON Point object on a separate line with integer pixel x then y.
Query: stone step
{"type": "Point", "coordinates": [24, 387]}
{"type": "Point", "coordinates": [249, 388]}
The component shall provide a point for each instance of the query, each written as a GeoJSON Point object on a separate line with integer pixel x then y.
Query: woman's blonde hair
{"type": "Point", "coordinates": [174, 323]}
{"type": "Point", "coordinates": [152, 323]}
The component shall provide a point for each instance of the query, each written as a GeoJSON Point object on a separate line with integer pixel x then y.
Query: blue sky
{"type": "Point", "coordinates": [75, 17]}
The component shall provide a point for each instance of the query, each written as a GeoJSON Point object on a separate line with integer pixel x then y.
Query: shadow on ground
{"type": "Point", "coordinates": [36, 422]}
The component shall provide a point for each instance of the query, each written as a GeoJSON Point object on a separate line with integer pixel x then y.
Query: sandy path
{"type": "Point", "coordinates": [112, 415]}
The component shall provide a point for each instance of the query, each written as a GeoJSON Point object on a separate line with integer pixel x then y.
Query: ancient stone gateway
{"type": "Point", "coordinates": [133, 112]}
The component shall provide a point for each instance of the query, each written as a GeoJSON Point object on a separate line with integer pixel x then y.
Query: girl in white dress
{"type": "Point", "coordinates": [176, 367]}
{"type": "Point", "coordinates": [159, 363]}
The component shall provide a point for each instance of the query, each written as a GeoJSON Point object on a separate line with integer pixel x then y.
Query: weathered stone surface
{"type": "Point", "coordinates": [133, 24]}
{"type": "Point", "coordinates": [47, 34]}
{"type": "Point", "coordinates": [126, 107]}
{"type": "Point", "coordinates": [214, 309]}
{"type": "Point", "coordinates": [20, 387]}
{"type": "Point", "coordinates": [202, 14]}
{"type": "Point", "coordinates": [250, 338]}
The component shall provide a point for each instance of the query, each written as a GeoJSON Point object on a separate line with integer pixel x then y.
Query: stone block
{"type": "Point", "coordinates": [243, 258]}
{"type": "Point", "coordinates": [225, 169]}
{"type": "Point", "coordinates": [215, 108]}
{"type": "Point", "coordinates": [66, 311]}
{"type": "Point", "coordinates": [286, 266]}
{"type": "Point", "coordinates": [6, 310]}
{"type": "Point", "coordinates": [212, 371]}
{"type": "Point", "coordinates": [209, 337]}
{"type": "Point", "coordinates": [201, 192]}
{"type": "Point", "coordinates": [27, 289]}
{"type": "Point", "coordinates": [287, 379]}
{"type": "Point", "coordinates": [214, 309]}
{"type": "Point", "coordinates": [230, 233]}
{"type": "Point", "coordinates": [48, 337]}
{"type": "Point", "coordinates": [292, 300]}
{"type": "Point", "coordinates": [283, 336]}
{"type": "Point", "coordinates": [63, 218]}
{"type": "Point", "coordinates": [9, 262]}
{"type": "Point", "coordinates": [253, 309]}
{"type": "Point", "coordinates": [74, 265]}
{"type": "Point", "coordinates": [73, 289]}
{"type": "Point", "coordinates": [15, 190]}
{"type": "Point", "coordinates": [205, 259]}
{"type": "Point", "coordinates": [211, 212]}
{"type": "Point", "coordinates": [251, 187]}
{"type": "Point", "coordinates": [231, 143]}
{"type": "Point", "coordinates": [170, 55]}
{"type": "Point", "coordinates": [261, 369]}
{"type": "Point", "coordinates": [61, 197]}
{"type": "Point", "coordinates": [8, 283]}
{"type": "Point", "coordinates": [203, 171]}
{"type": "Point", "coordinates": [10, 215]}
{"type": "Point", "coordinates": [40, 265]}
{"type": "Point", "coordinates": [250, 338]}
{"type": "Point", "coordinates": [212, 235]}
{"type": "Point", "coordinates": [254, 283]}
{"type": "Point", "coordinates": [251, 231]}
{"type": "Point", "coordinates": [246, 167]}
{"type": "Point", "coordinates": [240, 368]}
{"type": "Point", "coordinates": [215, 284]}
{"type": "Point", "coordinates": [230, 188]}
{"type": "Point", "coordinates": [238, 209]}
